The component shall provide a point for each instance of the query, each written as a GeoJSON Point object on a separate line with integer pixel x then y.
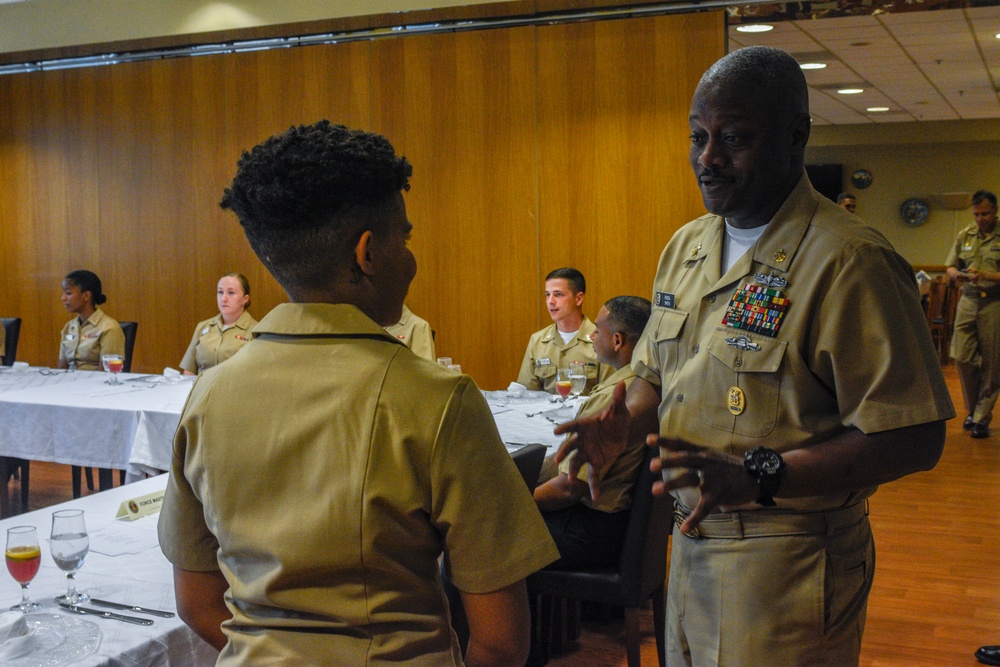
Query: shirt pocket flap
{"type": "Point", "coordinates": [668, 324]}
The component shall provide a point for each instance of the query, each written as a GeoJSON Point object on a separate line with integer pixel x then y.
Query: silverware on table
{"type": "Point", "coordinates": [105, 614]}
{"type": "Point", "coordinates": [131, 607]}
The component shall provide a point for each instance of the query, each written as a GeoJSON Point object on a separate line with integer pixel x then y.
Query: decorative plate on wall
{"type": "Point", "coordinates": [914, 211]}
{"type": "Point", "coordinates": [861, 178]}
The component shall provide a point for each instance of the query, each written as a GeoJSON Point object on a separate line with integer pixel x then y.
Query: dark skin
{"type": "Point", "coordinates": [747, 150]}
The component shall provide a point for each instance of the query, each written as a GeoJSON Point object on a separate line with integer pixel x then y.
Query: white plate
{"type": "Point", "coordinates": [60, 640]}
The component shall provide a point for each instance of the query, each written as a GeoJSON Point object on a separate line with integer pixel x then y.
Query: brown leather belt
{"type": "Point", "coordinates": [974, 291]}
{"type": "Point", "coordinates": [767, 523]}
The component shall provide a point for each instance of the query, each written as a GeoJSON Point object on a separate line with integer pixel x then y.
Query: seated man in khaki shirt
{"type": "Point", "coordinates": [564, 341]}
{"type": "Point", "coordinates": [588, 531]}
{"type": "Point", "coordinates": [320, 475]}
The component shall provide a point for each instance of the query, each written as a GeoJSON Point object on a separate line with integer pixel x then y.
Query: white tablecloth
{"type": "Point", "coordinates": [144, 578]}
{"type": "Point", "coordinates": [75, 418]}
{"type": "Point", "coordinates": [531, 418]}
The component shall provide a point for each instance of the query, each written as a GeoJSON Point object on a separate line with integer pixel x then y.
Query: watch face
{"type": "Point", "coordinates": [769, 462]}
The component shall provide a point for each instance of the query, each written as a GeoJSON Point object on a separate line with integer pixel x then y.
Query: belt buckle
{"type": "Point", "coordinates": [679, 519]}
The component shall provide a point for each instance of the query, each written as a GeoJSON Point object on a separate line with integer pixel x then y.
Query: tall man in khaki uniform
{"type": "Point", "coordinates": [589, 531]}
{"type": "Point", "coordinates": [564, 341]}
{"type": "Point", "coordinates": [320, 475]}
{"type": "Point", "coordinates": [974, 261]}
{"type": "Point", "coordinates": [776, 417]}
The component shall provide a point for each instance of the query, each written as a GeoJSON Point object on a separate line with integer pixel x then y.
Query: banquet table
{"type": "Point", "coordinates": [530, 417]}
{"type": "Point", "coordinates": [76, 418]}
{"type": "Point", "coordinates": [124, 565]}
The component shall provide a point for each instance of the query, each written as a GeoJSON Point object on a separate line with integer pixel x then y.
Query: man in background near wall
{"type": "Point", "coordinates": [589, 531]}
{"type": "Point", "coordinates": [776, 423]}
{"type": "Point", "coordinates": [321, 475]}
{"type": "Point", "coordinates": [974, 261]}
{"type": "Point", "coordinates": [566, 340]}
{"type": "Point", "coordinates": [846, 201]}
{"type": "Point", "coordinates": [415, 333]}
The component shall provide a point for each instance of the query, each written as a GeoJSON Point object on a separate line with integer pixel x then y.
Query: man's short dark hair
{"type": "Point", "coordinates": [983, 195]}
{"type": "Point", "coordinates": [576, 281]}
{"type": "Point", "coordinates": [305, 197]}
{"type": "Point", "coordinates": [845, 195]}
{"type": "Point", "coordinates": [628, 315]}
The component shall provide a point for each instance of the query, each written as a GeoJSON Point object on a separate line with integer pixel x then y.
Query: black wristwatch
{"type": "Point", "coordinates": [768, 468]}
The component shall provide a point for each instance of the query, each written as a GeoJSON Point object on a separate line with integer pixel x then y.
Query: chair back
{"type": "Point", "coordinates": [129, 329]}
{"type": "Point", "coordinates": [12, 330]}
{"type": "Point", "coordinates": [643, 561]}
{"type": "Point", "coordinates": [529, 460]}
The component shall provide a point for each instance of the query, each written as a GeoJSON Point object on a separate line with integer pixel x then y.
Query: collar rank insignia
{"type": "Point", "coordinates": [757, 309]}
{"type": "Point", "coordinates": [742, 342]}
{"type": "Point", "coordinates": [770, 280]}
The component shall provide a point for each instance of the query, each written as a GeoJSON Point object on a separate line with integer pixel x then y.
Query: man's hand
{"type": "Point", "coordinates": [597, 440]}
{"type": "Point", "coordinates": [721, 477]}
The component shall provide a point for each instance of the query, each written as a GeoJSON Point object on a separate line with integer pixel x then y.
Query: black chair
{"type": "Point", "coordinates": [639, 576]}
{"type": "Point", "coordinates": [528, 460]}
{"type": "Point", "coordinates": [129, 329]}
{"type": "Point", "coordinates": [10, 467]}
{"type": "Point", "coordinates": [12, 330]}
{"type": "Point", "coordinates": [105, 480]}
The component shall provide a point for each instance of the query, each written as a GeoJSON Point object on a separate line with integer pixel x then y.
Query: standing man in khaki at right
{"type": "Point", "coordinates": [974, 260]}
{"type": "Point", "coordinates": [566, 340]}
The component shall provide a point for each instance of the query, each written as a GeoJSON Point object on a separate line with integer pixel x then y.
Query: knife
{"type": "Point", "coordinates": [105, 614]}
{"type": "Point", "coordinates": [129, 607]}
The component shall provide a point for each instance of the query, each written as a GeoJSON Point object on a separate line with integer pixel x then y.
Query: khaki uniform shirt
{"type": "Point", "coordinates": [617, 480]}
{"type": "Point", "coordinates": [324, 469]}
{"type": "Point", "coordinates": [415, 333]}
{"type": "Point", "coordinates": [211, 345]}
{"type": "Point", "coordinates": [547, 353]}
{"type": "Point", "coordinates": [82, 343]}
{"type": "Point", "coordinates": [852, 348]}
{"type": "Point", "coordinates": [970, 251]}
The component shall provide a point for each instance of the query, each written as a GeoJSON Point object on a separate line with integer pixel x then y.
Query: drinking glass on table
{"type": "Point", "coordinates": [69, 544]}
{"type": "Point", "coordinates": [564, 382]}
{"type": "Point", "coordinates": [113, 363]}
{"type": "Point", "coordinates": [577, 377]}
{"type": "Point", "coordinates": [23, 558]}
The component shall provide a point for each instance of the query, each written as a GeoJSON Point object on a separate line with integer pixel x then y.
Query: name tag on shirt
{"type": "Point", "coordinates": [664, 300]}
{"type": "Point", "coordinates": [542, 362]}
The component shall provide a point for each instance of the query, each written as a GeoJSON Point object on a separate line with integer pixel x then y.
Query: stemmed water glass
{"type": "Point", "coordinates": [23, 558]}
{"type": "Point", "coordinates": [70, 545]}
{"type": "Point", "coordinates": [578, 378]}
{"type": "Point", "coordinates": [564, 384]}
{"type": "Point", "coordinates": [113, 363]}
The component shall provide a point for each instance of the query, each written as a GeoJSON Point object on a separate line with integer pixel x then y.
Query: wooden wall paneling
{"type": "Point", "coordinates": [615, 181]}
{"type": "Point", "coordinates": [462, 108]}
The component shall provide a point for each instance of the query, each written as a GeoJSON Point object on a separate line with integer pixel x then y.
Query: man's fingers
{"type": "Point", "coordinates": [568, 445]}
{"type": "Point", "coordinates": [568, 427]}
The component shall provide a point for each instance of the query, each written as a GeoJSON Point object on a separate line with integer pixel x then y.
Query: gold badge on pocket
{"type": "Point", "coordinates": [736, 400]}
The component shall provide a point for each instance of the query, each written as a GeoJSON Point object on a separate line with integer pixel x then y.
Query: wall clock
{"type": "Point", "coordinates": [861, 178]}
{"type": "Point", "coordinates": [914, 211]}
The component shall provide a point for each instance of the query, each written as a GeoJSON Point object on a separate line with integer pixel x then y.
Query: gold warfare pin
{"type": "Point", "coordinates": [736, 401]}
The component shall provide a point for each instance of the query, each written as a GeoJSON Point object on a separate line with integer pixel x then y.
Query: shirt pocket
{"type": "Point", "coordinates": [545, 371]}
{"type": "Point", "coordinates": [754, 371]}
{"type": "Point", "coordinates": [665, 329]}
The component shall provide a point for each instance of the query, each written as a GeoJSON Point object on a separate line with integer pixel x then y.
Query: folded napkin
{"type": "Point", "coordinates": [20, 366]}
{"type": "Point", "coordinates": [171, 373]}
{"type": "Point", "coordinates": [516, 390]}
{"type": "Point", "coordinates": [16, 638]}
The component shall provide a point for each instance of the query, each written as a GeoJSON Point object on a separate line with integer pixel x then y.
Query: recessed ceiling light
{"type": "Point", "coordinates": [850, 91]}
{"type": "Point", "coordinates": [877, 109]}
{"type": "Point", "coordinates": [756, 27]}
{"type": "Point", "coordinates": [812, 65]}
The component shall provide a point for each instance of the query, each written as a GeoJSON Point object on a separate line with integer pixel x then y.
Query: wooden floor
{"type": "Point", "coordinates": [936, 596]}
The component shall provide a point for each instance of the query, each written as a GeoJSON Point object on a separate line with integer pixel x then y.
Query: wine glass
{"type": "Point", "coordinates": [23, 558]}
{"type": "Point", "coordinates": [113, 363]}
{"type": "Point", "coordinates": [69, 544]}
{"type": "Point", "coordinates": [564, 383]}
{"type": "Point", "coordinates": [578, 378]}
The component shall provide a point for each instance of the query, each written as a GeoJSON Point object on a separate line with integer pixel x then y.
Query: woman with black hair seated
{"type": "Point", "coordinates": [92, 332]}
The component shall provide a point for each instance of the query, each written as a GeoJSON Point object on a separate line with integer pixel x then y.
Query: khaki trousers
{"type": "Point", "coordinates": [769, 599]}
{"type": "Point", "coordinates": [975, 346]}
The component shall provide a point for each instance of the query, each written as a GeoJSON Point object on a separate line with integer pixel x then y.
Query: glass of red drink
{"type": "Point", "coordinates": [564, 383]}
{"type": "Point", "coordinates": [23, 558]}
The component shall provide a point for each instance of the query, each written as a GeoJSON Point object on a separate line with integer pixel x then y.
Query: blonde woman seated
{"type": "Point", "coordinates": [220, 337]}
{"type": "Point", "coordinates": [92, 332]}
